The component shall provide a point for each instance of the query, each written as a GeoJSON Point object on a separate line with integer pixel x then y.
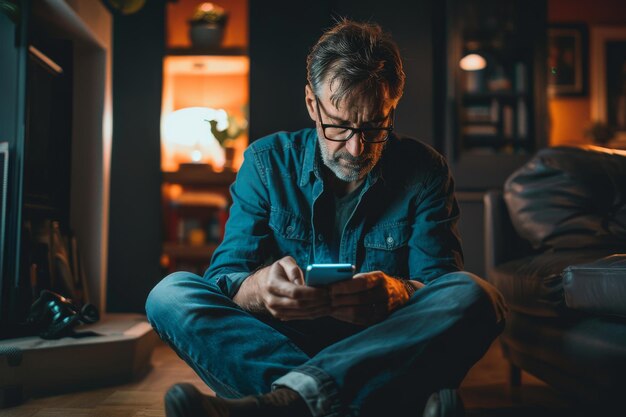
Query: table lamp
{"type": "Point", "coordinates": [187, 137]}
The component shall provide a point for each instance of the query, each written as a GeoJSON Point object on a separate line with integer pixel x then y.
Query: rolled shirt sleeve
{"type": "Point", "coordinates": [245, 244]}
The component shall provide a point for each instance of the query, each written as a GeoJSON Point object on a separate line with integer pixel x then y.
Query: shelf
{"type": "Point", "coordinates": [478, 122]}
{"type": "Point", "coordinates": [40, 207]}
{"type": "Point", "coordinates": [492, 140]}
{"type": "Point", "coordinates": [214, 65]}
{"type": "Point", "coordinates": [200, 175]}
{"type": "Point", "coordinates": [505, 95]}
{"type": "Point", "coordinates": [220, 51]}
{"type": "Point", "coordinates": [188, 252]}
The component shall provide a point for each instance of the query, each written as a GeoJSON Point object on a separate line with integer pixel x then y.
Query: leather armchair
{"type": "Point", "coordinates": [555, 245]}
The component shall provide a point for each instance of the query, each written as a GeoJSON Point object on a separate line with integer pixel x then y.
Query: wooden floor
{"type": "Point", "coordinates": [484, 392]}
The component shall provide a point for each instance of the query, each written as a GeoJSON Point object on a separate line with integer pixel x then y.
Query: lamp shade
{"type": "Point", "coordinates": [473, 62]}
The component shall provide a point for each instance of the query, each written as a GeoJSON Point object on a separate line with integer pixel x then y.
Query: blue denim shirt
{"type": "Point", "coordinates": [404, 223]}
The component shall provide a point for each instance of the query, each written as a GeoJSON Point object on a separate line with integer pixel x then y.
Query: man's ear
{"type": "Point", "coordinates": [309, 99]}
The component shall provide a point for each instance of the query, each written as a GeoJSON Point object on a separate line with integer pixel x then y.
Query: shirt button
{"type": "Point", "coordinates": [320, 237]}
{"type": "Point", "coordinates": [390, 241]}
{"type": "Point", "coordinates": [289, 229]}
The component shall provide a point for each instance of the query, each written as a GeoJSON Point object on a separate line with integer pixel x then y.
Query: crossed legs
{"type": "Point", "coordinates": [337, 368]}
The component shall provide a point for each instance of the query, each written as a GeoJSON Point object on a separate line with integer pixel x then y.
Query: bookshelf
{"type": "Point", "coordinates": [196, 177]}
{"type": "Point", "coordinates": [496, 107]}
{"type": "Point", "coordinates": [495, 120]}
{"type": "Point", "coordinates": [196, 201]}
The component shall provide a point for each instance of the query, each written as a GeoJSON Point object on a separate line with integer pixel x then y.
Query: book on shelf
{"type": "Point", "coordinates": [478, 113]}
{"type": "Point", "coordinates": [507, 121]}
{"type": "Point", "coordinates": [520, 77]}
{"type": "Point", "coordinates": [201, 198]}
{"type": "Point", "coordinates": [196, 217]}
{"type": "Point", "coordinates": [522, 119]}
{"type": "Point", "coordinates": [198, 231]}
{"type": "Point", "coordinates": [480, 130]}
{"type": "Point", "coordinates": [495, 110]}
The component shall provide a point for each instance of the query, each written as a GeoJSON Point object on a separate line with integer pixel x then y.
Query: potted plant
{"type": "Point", "coordinates": [206, 26]}
{"type": "Point", "coordinates": [227, 136]}
{"type": "Point", "coordinates": [601, 133]}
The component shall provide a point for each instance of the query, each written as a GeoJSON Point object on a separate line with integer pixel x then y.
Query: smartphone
{"type": "Point", "coordinates": [324, 274]}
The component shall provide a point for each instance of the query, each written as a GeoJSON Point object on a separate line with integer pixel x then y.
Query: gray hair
{"type": "Point", "coordinates": [353, 56]}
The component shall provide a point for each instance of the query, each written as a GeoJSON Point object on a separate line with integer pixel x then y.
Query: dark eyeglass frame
{"type": "Point", "coordinates": [353, 130]}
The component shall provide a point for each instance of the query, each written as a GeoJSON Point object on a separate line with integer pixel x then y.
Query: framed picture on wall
{"type": "Point", "coordinates": [567, 60]}
{"type": "Point", "coordinates": [608, 103]}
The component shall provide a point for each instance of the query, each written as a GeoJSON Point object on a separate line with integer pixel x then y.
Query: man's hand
{"type": "Point", "coordinates": [368, 298]}
{"type": "Point", "coordinates": [279, 289]}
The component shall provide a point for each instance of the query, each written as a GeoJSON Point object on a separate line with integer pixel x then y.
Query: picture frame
{"type": "Point", "coordinates": [608, 93]}
{"type": "Point", "coordinates": [568, 57]}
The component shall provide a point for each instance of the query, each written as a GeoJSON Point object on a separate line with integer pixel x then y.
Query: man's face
{"type": "Point", "coordinates": [351, 160]}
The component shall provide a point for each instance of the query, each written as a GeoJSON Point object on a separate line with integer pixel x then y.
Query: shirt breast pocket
{"type": "Point", "coordinates": [292, 235]}
{"type": "Point", "coordinates": [387, 249]}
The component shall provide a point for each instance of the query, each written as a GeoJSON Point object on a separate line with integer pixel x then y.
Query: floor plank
{"type": "Point", "coordinates": [485, 393]}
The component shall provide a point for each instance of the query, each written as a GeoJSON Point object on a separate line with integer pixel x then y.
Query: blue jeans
{"type": "Point", "coordinates": [339, 369]}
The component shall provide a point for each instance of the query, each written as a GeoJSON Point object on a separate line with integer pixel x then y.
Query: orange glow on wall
{"type": "Point", "coordinates": [223, 92]}
{"type": "Point", "coordinates": [178, 14]}
{"type": "Point", "coordinates": [568, 120]}
{"type": "Point", "coordinates": [571, 116]}
{"type": "Point", "coordinates": [215, 82]}
{"type": "Point", "coordinates": [589, 11]}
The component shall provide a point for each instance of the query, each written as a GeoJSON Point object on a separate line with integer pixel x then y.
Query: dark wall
{"type": "Point", "coordinates": [410, 24]}
{"type": "Point", "coordinates": [135, 219]}
{"type": "Point", "coordinates": [13, 32]}
{"type": "Point", "coordinates": [282, 33]}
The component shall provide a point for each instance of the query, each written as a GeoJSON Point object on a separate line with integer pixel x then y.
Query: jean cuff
{"type": "Point", "coordinates": [316, 387]}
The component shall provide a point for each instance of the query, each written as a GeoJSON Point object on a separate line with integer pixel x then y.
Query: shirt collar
{"type": "Point", "coordinates": [310, 166]}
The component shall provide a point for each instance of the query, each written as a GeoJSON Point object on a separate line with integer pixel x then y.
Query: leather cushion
{"type": "Point", "coordinates": [570, 198]}
{"type": "Point", "coordinates": [597, 287]}
{"type": "Point", "coordinates": [534, 284]}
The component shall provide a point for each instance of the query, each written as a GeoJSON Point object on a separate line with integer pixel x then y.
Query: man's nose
{"type": "Point", "coordinates": [355, 145]}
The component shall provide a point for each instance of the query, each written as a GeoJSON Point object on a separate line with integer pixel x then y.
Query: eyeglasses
{"type": "Point", "coordinates": [338, 133]}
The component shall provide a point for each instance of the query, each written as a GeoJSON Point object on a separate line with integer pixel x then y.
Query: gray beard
{"type": "Point", "coordinates": [357, 169]}
{"type": "Point", "coordinates": [348, 173]}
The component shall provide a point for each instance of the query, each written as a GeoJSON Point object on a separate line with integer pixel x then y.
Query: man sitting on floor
{"type": "Point", "coordinates": [409, 324]}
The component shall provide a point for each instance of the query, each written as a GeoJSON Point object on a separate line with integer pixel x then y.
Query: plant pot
{"type": "Point", "coordinates": [229, 157]}
{"type": "Point", "coordinates": [206, 35]}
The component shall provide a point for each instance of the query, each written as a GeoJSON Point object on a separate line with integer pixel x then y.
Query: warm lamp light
{"type": "Point", "coordinates": [187, 135]}
{"type": "Point", "coordinates": [196, 156]}
{"type": "Point", "coordinates": [472, 62]}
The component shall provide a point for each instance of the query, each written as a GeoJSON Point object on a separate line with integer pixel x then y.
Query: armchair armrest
{"type": "Point", "coordinates": [502, 243]}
